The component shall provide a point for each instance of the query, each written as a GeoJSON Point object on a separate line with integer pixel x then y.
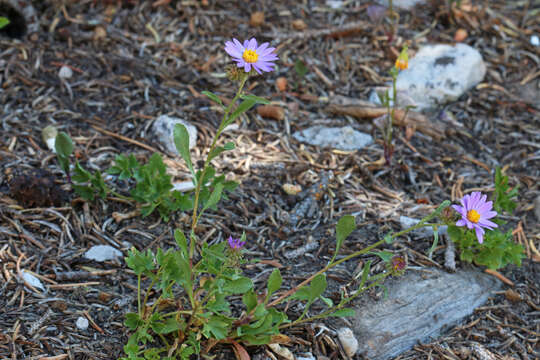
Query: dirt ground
{"type": "Point", "coordinates": [134, 60]}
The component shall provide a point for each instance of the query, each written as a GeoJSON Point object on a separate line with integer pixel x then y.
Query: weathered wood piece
{"type": "Point", "coordinates": [418, 306]}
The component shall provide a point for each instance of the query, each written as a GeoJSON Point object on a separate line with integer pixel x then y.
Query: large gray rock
{"type": "Point", "coordinates": [441, 73]}
{"type": "Point", "coordinates": [419, 304]}
{"type": "Point", "coordinates": [163, 129]}
{"type": "Point", "coordinates": [344, 138]}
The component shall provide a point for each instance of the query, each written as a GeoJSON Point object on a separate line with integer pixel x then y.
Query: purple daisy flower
{"type": "Point", "coordinates": [235, 244]}
{"type": "Point", "coordinates": [475, 212]}
{"type": "Point", "coordinates": [250, 55]}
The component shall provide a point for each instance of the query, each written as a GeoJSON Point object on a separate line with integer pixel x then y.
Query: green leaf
{"type": "Point", "coordinates": [250, 300]}
{"type": "Point", "coordinates": [385, 256]}
{"type": "Point", "coordinates": [388, 238]}
{"type": "Point", "coordinates": [63, 144]}
{"type": "Point", "coordinates": [181, 241]}
{"type": "Point", "coordinates": [213, 97]}
{"type": "Point", "coordinates": [300, 68]}
{"type": "Point", "coordinates": [238, 286]}
{"type": "Point", "coordinates": [133, 320]}
{"type": "Point", "coordinates": [166, 327]}
{"type": "Point", "coordinates": [274, 283]}
{"type": "Point", "coordinates": [86, 192]}
{"type": "Point", "coordinates": [214, 197]}
{"type": "Point", "coordinates": [218, 150]}
{"type": "Point", "coordinates": [64, 147]}
{"type": "Point", "coordinates": [216, 327]}
{"type": "Point", "coordinates": [242, 108]}
{"type": "Point", "coordinates": [317, 286]}
{"type": "Point", "coordinates": [365, 274]}
{"type": "Point", "coordinates": [181, 141]}
{"type": "Point", "coordinates": [80, 174]}
{"type": "Point", "coordinates": [4, 21]}
{"type": "Point", "coordinates": [345, 226]}
{"type": "Point", "coordinates": [435, 241]}
{"type": "Point", "coordinates": [257, 99]}
{"type": "Point", "coordinates": [140, 262]}
{"type": "Point", "coordinates": [346, 312]}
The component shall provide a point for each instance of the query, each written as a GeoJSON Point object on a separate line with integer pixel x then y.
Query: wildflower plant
{"type": "Point", "coordinates": [391, 103]}
{"type": "Point", "coordinates": [196, 295]}
{"type": "Point", "coordinates": [478, 233]}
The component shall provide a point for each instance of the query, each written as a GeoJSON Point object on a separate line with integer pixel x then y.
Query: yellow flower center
{"type": "Point", "coordinates": [473, 216]}
{"type": "Point", "coordinates": [250, 56]}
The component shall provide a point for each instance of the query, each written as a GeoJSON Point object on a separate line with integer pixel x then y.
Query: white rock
{"type": "Point", "coordinates": [32, 280]}
{"type": "Point", "coordinates": [281, 351]}
{"type": "Point", "coordinates": [102, 253]}
{"type": "Point", "coordinates": [441, 73]}
{"type": "Point", "coordinates": [48, 134]}
{"type": "Point", "coordinates": [402, 4]}
{"type": "Point", "coordinates": [537, 208]}
{"type": "Point", "coordinates": [82, 323]}
{"type": "Point", "coordinates": [183, 186]}
{"type": "Point", "coordinates": [348, 341]}
{"type": "Point", "coordinates": [535, 40]}
{"type": "Point", "coordinates": [344, 138]}
{"type": "Point", "coordinates": [65, 72]}
{"type": "Point", "coordinates": [163, 129]}
{"type": "Point", "coordinates": [423, 232]}
{"type": "Point", "coordinates": [306, 356]}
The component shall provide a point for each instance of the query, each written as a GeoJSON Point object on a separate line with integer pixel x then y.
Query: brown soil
{"type": "Point", "coordinates": [133, 61]}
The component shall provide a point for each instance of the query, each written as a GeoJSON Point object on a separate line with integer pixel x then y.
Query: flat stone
{"type": "Point", "coordinates": [439, 74]}
{"type": "Point", "coordinates": [344, 138]}
{"type": "Point", "coordinates": [82, 323]}
{"type": "Point", "coordinates": [163, 130]}
{"type": "Point", "coordinates": [102, 253]}
{"type": "Point", "coordinates": [418, 306]}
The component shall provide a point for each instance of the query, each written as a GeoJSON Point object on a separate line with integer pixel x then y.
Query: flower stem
{"type": "Point", "coordinates": [194, 217]}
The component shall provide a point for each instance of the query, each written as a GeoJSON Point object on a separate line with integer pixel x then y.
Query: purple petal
{"type": "Point", "coordinates": [246, 43]}
{"type": "Point", "coordinates": [247, 67]}
{"type": "Point", "coordinates": [482, 200]}
{"type": "Point", "coordinates": [489, 214]}
{"type": "Point", "coordinates": [262, 47]}
{"type": "Point", "coordinates": [487, 224]}
{"type": "Point", "coordinates": [479, 234]}
{"type": "Point", "coordinates": [458, 208]}
{"type": "Point", "coordinates": [252, 45]}
{"type": "Point", "coordinates": [232, 50]}
{"type": "Point", "coordinates": [465, 202]}
{"type": "Point", "coordinates": [256, 67]}
{"type": "Point", "coordinates": [461, 222]}
{"type": "Point", "coordinates": [486, 206]}
{"type": "Point", "coordinates": [239, 45]}
{"type": "Point", "coordinates": [266, 51]}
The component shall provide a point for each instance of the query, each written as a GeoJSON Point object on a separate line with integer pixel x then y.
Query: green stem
{"type": "Point", "coordinates": [422, 223]}
{"type": "Point", "coordinates": [139, 295]}
{"type": "Point", "coordinates": [195, 218]}
{"type": "Point", "coordinates": [380, 278]}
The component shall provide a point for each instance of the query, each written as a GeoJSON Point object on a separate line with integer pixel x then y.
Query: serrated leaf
{"type": "Point", "coordinates": [274, 283]}
{"type": "Point", "coordinates": [345, 226]}
{"type": "Point", "coordinates": [132, 320]}
{"type": "Point", "coordinates": [212, 97]}
{"type": "Point", "coordinates": [181, 141]}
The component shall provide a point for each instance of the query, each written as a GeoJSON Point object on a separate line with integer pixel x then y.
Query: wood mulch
{"type": "Point", "coordinates": [134, 60]}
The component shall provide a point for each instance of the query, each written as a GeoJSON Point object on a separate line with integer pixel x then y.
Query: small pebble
{"type": "Point", "coordinates": [65, 72]}
{"type": "Point", "coordinates": [102, 253]}
{"type": "Point", "coordinates": [82, 323]}
{"type": "Point", "coordinates": [348, 341]}
{"type": "Point", "coordinates": [535, 40]}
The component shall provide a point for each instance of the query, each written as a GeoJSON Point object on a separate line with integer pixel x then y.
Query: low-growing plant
{"type": "Point", "coordinates": [494, 248]}
{"type": "Point", "coordinates": [196, 295]}
{"type": "Point", "coordinates": [391, 103]}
